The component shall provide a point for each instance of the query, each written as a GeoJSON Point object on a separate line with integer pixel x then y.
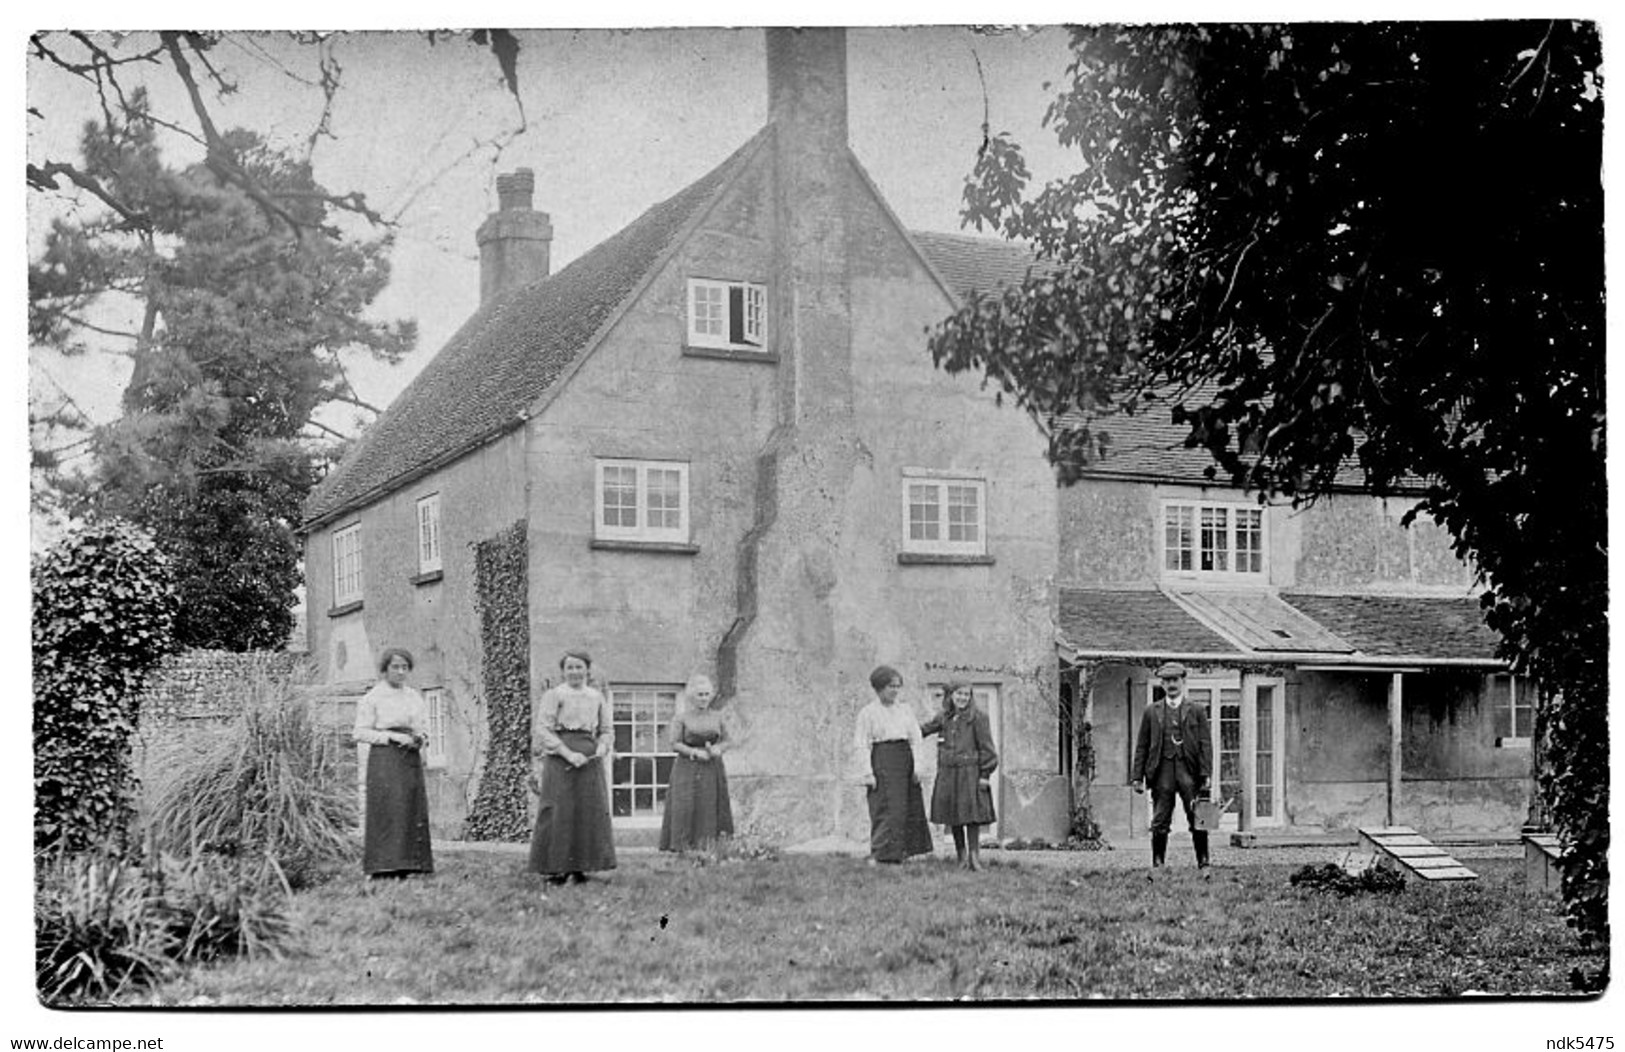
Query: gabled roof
{"type": "Point", "coordinates": [511, 352]}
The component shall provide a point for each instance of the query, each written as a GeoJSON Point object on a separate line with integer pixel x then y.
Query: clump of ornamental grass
{"type": "Point", "coordinates": [107, 922]}
{"type": "Point", "coordinates": [274, 782]}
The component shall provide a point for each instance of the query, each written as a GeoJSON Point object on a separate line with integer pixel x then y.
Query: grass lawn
{"type": "Point", "coordinates": [482, 931]}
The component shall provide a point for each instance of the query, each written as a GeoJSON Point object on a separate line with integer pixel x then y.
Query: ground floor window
{"type": "Point", "coordinates": [643, 753]}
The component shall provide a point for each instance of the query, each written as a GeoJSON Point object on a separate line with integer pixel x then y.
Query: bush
{"type": "Point", "coordinates": [106, 923]}
{"type": "Point", "coordinates": [103, 613]}
{"type": "Point", "coordinates": [273, 782]}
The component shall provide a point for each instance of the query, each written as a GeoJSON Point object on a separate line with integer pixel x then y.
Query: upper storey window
{"type": "Point", "coordinates": [1213, 540]}
{"type": "Point", "coordinates": [727, 315]}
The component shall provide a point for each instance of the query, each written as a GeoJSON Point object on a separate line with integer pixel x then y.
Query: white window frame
{"type": "Point", "coordinates": [1230, 551]}
{"type": "Point", "coordinates": [642, 530]}
{"type": "Point", "coordinates": [940, 483]}
{"type": "Point", "coordinates": [429, 533]}
{"type": "Point", "coordinates": [708, 312]}
{"type": "Point", "coordinates": [348, 582]}
{"type": "Point", "coordinates": [1517, 686]}
{"type": "Point", "coordinates": [434, 699]}
{"type": "Point", "coordinates": [623, 792]}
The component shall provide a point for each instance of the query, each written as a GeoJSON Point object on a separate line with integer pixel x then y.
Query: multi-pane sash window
{"type": "Point", "coordinates": [643, 752]}
{"type": "Point", "coordinates": [435, 754]}
{"type": "Point", "coordinates": [642, 500]}
{"type": "Point", "coordinates": [347, 565]}
{"type": "Point", "coordinates": [944, 515]}
{"type": "Point", "coordinates": [1216, 539]}
{"type": "Point", "coordinates": [726, 314]}
{"type": "Point", "coordinates": [429, 533]}
{"type": "Point", "coordinates": [1514, 706]}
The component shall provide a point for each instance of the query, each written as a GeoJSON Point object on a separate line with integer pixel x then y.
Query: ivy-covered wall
{"type": "Point", "coordinates": [207, 684]}
{"type": "Point", "coordinates": [501, 809]}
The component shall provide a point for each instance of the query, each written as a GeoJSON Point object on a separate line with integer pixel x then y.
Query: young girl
{"type": "Point", "coordinates": [963, 796]}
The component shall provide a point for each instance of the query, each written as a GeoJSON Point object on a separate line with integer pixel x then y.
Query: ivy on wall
{"type": "Point", "coordinates": [104, 614]}
{"type": "Point", "coordinates": [501, 808]}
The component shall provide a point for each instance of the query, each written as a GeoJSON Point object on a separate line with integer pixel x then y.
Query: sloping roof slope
{"type": "Point", "coordinates": [975, 264]}
{"type": "Point", "coordinates": [1404, 626]}
{"type": "Point", "coordinates": [510, 352]}
{"type": "Point", "coordinates": [1134, 622]}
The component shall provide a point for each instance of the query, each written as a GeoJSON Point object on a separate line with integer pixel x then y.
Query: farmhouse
{"type": "Point", "coordinates": [715, 443]}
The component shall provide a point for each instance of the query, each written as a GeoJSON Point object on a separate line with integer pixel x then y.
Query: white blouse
{"type": "Point", "coordinates": [878, 722]}
{"type": "Point", "coordinates": [571, 709]}
{"type": "Point", "coordinates": [386, 708]}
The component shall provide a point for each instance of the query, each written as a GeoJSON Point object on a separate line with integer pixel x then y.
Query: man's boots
{"type": "Point", "coordinates": [1159, 849]}
{"type": "Point", "coordinates": [1199, 841]}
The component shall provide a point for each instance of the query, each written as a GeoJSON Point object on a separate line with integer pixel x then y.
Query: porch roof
{"type": "Point", "coordinates": [1219, 625]}
{"type": "Point", "coordinates": [1445, 628]}
{"type": "Point", "coordinates": [1144, 622]}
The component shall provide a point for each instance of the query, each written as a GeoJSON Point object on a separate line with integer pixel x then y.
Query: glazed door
{"type": "Point", "coordinates": [1263, 726]}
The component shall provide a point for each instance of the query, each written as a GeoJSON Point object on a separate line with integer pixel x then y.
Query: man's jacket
{"type": "Point", "coordinates": [1196, 749]}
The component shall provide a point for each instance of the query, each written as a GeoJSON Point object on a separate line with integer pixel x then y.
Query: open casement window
{"type": "Point", "coordinates": [642, 500]}
{"type": "Point", "coordinates": [435, 754]}
{"type": "Point", "coordinates": [429, 533]}
{"type": "Point", "coordinates": [643, 754]}
{"type": "Point", "coordinates": [727, 315]}
{"type": "Point", "coordinates": [1512, 699]}
{"type": "Point", "coordinates": [944, 515]}
{"type": "Point", "coordinates": [347, 565]}
{"type": "Point", "coordinates": [1224, 541]}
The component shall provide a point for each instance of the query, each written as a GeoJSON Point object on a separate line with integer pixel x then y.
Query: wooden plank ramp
{"type": "Point", "coordinates": [1416, 853]}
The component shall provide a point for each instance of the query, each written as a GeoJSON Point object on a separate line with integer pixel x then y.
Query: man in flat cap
{"type": "Point", "coordinates": [1173, 753]}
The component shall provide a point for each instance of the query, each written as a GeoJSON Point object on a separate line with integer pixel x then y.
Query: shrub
{"type": "Point", "coordinates": [273, 782]}
{"type": "Point", "coordinates": [106, 923]}
{"type": "Point", "coordinates": [103, 613]}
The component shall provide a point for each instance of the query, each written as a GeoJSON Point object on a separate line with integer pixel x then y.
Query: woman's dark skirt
{"type": "Point", "coordinates": [573, 833]}
{"type": "Point", "coordinates": [897, 826]}
{"type": "Point", "coordinates": [959, 798]}
{"type": "Point", "coordinates": [396, 838]}
{"type": "Point", "coordinates": [697, 806]}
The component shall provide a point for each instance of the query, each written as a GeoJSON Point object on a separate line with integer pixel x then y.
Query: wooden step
{"type": "Point", "coordinates": [1416, 853]}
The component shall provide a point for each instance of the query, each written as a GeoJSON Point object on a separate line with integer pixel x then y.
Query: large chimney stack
{"type": "Point", "coordinates": [516, 240]}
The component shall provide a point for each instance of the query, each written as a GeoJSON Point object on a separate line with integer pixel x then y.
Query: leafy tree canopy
{"type": "Point", "coordinates": [1323, 246]}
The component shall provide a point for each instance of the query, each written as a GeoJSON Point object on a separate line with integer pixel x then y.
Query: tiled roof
{"type": "Point", "coordinates": [1404, 626]}
{"type": "Point", "coordinates": [1133, 622]}
{"type": "Point", "coordinates": [975, 264]}
{"type": "Point", "coordinates": [510, 352]}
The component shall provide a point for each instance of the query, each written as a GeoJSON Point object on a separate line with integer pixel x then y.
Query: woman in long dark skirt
{"type": "Point", "coordinates": [393, 720]}
{"type": "Point", "coordinates": [889, 749]}
{"type": "Point", "coordinates": [697, 807]}
{"type": "Point", "coordinates": [572, 731]}
{"type": "Point", "coordinates": [962, 798]}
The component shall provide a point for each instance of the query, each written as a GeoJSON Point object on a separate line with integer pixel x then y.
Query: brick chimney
{"type": "Point", "coordinates": [516, 240]}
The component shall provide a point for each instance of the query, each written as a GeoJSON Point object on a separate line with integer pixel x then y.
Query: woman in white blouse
{"type": "Point", "coordinates": [393, 720]}
{"type": "Point", "coordinates": [572, 731]}
{"type": "Point", "coordinates": [890, 752]}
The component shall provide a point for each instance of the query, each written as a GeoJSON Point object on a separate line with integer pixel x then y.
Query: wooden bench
{"type": "Point", "coordinates": [1414, 852]}
{"type": "Point", "coordinates": [1542, 861]}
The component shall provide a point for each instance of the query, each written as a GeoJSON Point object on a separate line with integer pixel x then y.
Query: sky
{"type": "Point", "coordinates": [613, 122]}
{"type": "Point", "coordinates": [616, 121]}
